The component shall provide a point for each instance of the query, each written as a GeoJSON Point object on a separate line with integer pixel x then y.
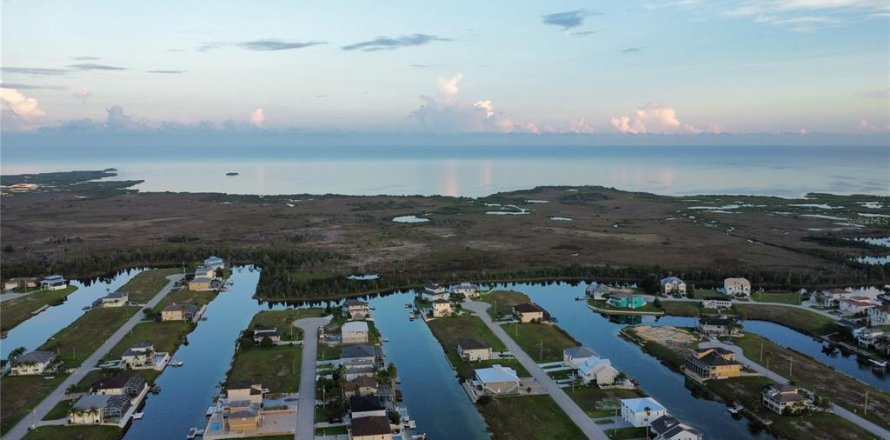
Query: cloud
{"type": "Point", "coordinates": [580, 126]}
{"type": "Point", "coordinates": [652, 118]}
{"type": "Point", "coordinates": [865, 125]}
{"type": "Point", "coordinates": [448, 87]}
{"type": "Point", "coordinates": [85, 58]}
{"type": "Point", "coordinates": [118, 120]}
{"type": "Point", "coordinates": [632, 50]}
{"type": "Point", "coordinates": [583, 33]}
{"type": "Point", "coordinates": [447, 113]}
{"type": "Point", "coordinates": [204, 47]}
{"type": "Point", "coordinates": [568, 19]}
{"type": "Point", "coordinates": [36, 71]}
{"type": "Point", "coordinates": [167, 72]}
{"type": "Point", "coordinates": [81, 94]}
{"type": "Point", "coordinates": [276, 45]}
{"type": "Point", "coordinates": [94, 66]}
{"type": "Point", "coordinates": [19, 112]}
{"type": "Point", "coordinates": [257, 118]}
{"type": "Point", "coordinates": [20, 86]}
{"type": "Point", "coordinates": [390, 43]}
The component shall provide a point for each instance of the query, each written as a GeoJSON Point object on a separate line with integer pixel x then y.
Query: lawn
{"type": "Point", "coordinates": [336, 430]}
{"type": "Point", "coordinates": [60, 411]}
{"type": "Point", "coordinates": [681, 308]}
{"type": "Point", "coordinates": [166, 336]}
{"type": "Point", "coordinates": [777, 297]}
{"type": "Point", "coordinates": [145, 285]}
{"type": "Point", "coordinates": [703, 293]}
{"type": "Point", "coordinates": [449, 330]}
{"type": "Point", "coordinates": [502, 301]}
{"type": "Point", "coordinates": [74, 433]}
{"type": "Point", "coordinates": [597, 402]}
{"type": "Point", "coordinates": [626, 433]}
{"type": "Point", "coordinates": [185, 296]}
{"type": "Point", "coordinates": [79, 340]}
{"type": "Point", "coordinates": [542, 342]}
{"type": "Point", "coordinates": [283, 319]}
{"type": "Point", "coordinates": [326, 353]}
{"type": "Point", "coordinates": [528, 417]}
{"type": "Point", "coordinates": [799, 319]}
{"type": "Point", "coordinates": [276, 368]}
{"type": "Point", "coordinates": [21, 394]}
{"type": "Point", "coordinates": [17, 311]}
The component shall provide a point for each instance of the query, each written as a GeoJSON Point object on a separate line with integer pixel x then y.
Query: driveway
{"type": "Point", "coordinates": [306, 405]}
{"type": "Point", "coordinates": [590, 429]}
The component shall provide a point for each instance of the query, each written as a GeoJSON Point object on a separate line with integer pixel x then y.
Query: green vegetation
{"type": "Point", "coordinates": [777, 297]}
{"type": "Point", "coordinates": [704, 293]}
{"type": "Point", "coordinates": [185, 296]}
{"type": "Point", "coordinates": [542, 342]}
{"type": "Point", "coordinates": [335, 430]}
{"type": "Point", "coordinates": [626, 433]}
{"type": "Point", "coordinates": [166, 337]}
{"type": "Point", "coordinates": [21, 394]}
{"type": "Point", "coordinates": [666, 354]}
{"type": "Point", "coordinates": [502, 302]}
{"type": "Point", "coordinates": [60, 411]}
{"type": "Point", "coordinates": [76, 432]}
{"type": "Point", "coordinates": [528, 417]}
{"type": "Point", "coordinates": [326, 353]}
{"type": "Point", "coordinates": [276, 367]}
{"type": "Point", "coordinates": [681, 308]}
{"type": "Point", "coordinates": [799, 319]}
{"type": "Point", "coordinates": [598, 402]}
{"type": "Point", "coordinates": [17, 311]}
{"type": "Point", "coordinates": [284, 319]}
{"type": "Point", "coordinates": [145, 285]}
{"type": "Point", "coordinates": [449, 330]}
{"type": "Point", "coordinates": [79, 340]}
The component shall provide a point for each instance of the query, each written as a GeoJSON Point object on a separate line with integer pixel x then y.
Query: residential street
{"type": "Point", "coordinates": [20, 429]}
{"type": "Point", "coordinates": [306, 405]}
{"type": "Point", "coordinates": [590, 429]}
{"type": "Point", "coordinates": [804, 305]}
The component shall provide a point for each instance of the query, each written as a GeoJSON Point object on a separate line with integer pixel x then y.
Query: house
{"type": "Point", "coordinates": [432, 292]}
{"type": "Point", "coordinates": [737, 287]}
{"type": "Point", "coordinates": [370, 428]}
{"type": "Point", "coordinates": [721, 326]}
{"type": "Point", "coordinates": [496, 380]}
{"type": "Point", "coordinates": [140, 355]}
{"type": "Point", "coordinates": [113, 299]}
{"type": "Point", "coordinates": [205, 271]}
{"type": "Point", "coordinates": [466, 289]}
{"type": "Point", "coordinates": [855, 305]}
{"type": "Point", "coordinates": [365, 406]}
{"type": "Point", "coordinates": [215, 262]}
{"type": "Point", "coordinates": [356, 309]}
{"type": "Point", "coordinates": [641, 411]}
{"type": "Point", "coordinates": [626, 301]}
{"type": "Point", "coordinates": [712, 363]}
{"type": "Point", "coordinates": [118, 386]}
{"type": "Point", "coordinates": [831, 298]}
{"type": "Point", "coordinates": [179, 312]}
{"type": "Point", "coordinates": [879, 315]}
{"type": "Point", "coordinates": [94, 409]}
{"type": "Point", "coordinates": [598, 371]}
{"type": "Point", "coordinates": [20, 283]}
{"type": "Point", "coordinates": [716, 302]}
{"type": "Point", "coordinates": [261, 332]}
{"type": "Point", "coordinates": [573, 357]}
{"type": "Point", "coordinates": [472, 350]}
{"type": "Point", "coordinates": [239, 390]}
{"type": "Point", "coordinates": [354, 332]}
{"type": "Point", "coordinates": [200, 283]}
{"type": "Point", "coordinates": [868, 337]}
{"type": "Point", "coordinates": [786, 398]}
{"type": "Point", "coordinates": [597, 291]}
{"type": "Point", "coordinates": [672, 285]}
{"type": "Point", "coordinates": [668, 428]}
{"type": "Point", "coordinates": [441, 308]}
{"type": "Point", "coordinates": [360, 360]}
{"type": "Point", "coordinates": [33, 363]}
{"type": "Point", "coordinates": [243, 416]}
{"type": "Point", "coordinates": [530, 312]}
{"type": "Point", "coordinates": [361, 386]}
{"type": "Point", "coordinates": [53, 282]}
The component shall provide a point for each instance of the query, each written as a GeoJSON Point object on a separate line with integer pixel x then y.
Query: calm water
{"type": "Point", "coordinates": [783, 171]}
{"type": "Point", "coordinates": [37, 329]}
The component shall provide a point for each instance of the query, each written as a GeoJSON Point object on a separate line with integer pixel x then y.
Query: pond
{"type": "Point", "coordinates": [410, 219]}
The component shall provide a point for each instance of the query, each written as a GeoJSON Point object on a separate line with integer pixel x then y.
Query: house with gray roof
{"type": "Point", "coordinates": [97, 409]}
{"type": "Point", "coordinates": [33, 363]}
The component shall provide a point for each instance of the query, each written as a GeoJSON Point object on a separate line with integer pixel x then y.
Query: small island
{"type": "Point", "coordinates": [232, 174]}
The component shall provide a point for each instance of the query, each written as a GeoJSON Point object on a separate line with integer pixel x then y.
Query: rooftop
{"type": "Point", "coordinates": [355, 326]}
{"type": "Point", "coordinates": [497, 373]}
{"type": "Point", "coordinates": [365, 403]}
{"type": "Point", "coordinates": [357, 350]}
{"type": "Point", "coordinates": [374, 425]}
{"type": "Point", "coordinates": [35, 357]}
{"type": "Point", "coordinates": [640, 404]}
{"type": "Point", "coordinates": [578, 352]}
{"type": "Point", "coordinates": [527, 308]}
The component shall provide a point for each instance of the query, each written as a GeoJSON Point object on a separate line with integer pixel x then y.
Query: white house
{"type": "Point", "coordinates": [261, 332]}
{"type": "Point", "coordinates": [672, 285]}
{"type": "Point", "coordinates": [832, 297]}
{"type": "Point", "coordinates": [140, 355]}
{"type": "Point", "coordinates": [356, 309]}
{"type": "Point", "coordinates": [472, 350]}
{"type": "Point", "coordinates": [53, 282]}
{"type": "Point", "coordinates": [573, 357]}
{"type": "Point", "coordinates": [497, 380]}
{"type": "Point", "coordinates": [737, 286]}
{"type": "Point", "coordinates": [245, 391]}
{"type": "Point", "coordinates": [780, 398]}
{"type": "Point", "coordinates": [354, 332]}
{"type": "Point", "coordinates": [597, 291]}
{"type": "Point", "coordinates": [868, 337]}
{"type": "Point", "coordinates": [113, 299]}
{"type": "Point", "coordinates": [465, 288]}
{"type": "Point", "coordinates": [215, 262]}
{"type": "Point", "coordinates": [360, 360]}
{"type": "Point", "coordinates": [93, 409]}
{"type": "Point", "coordinates": [33, 363]}
{"type": "Point", "coordinates": [716, 302]}
{"type": "Point", "coordinates": [641, 411]}
{"type": "Point", "coordinates": [598, 371]}
{"type": "Point", "coordinates": [669, 428]}
{"type": "Point", "coordinates": [441, 308]}
{"type": "Point", "coordinates": [432, 292]}
{"type": "Point", "coordinates": [855, 305]}
{"type": "Point", "coordinates": [879, 315]}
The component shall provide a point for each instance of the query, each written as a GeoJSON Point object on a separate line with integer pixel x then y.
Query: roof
{"type": "Point", "coordinates": [91, 401]}
{"type": "Point", "coordinates": [717, 298]}
{"type": "Point", "coordinates": [716, 321]}
{"type": "Point", "coordinates": [357, 350]}
{"type": "Point", "coordinates": [116, 294]}
{"type": "Point", "coordinates": [361, 381]}
{"type": "Point", "coordinates": [472, 344]}
{"type": "Point", "coordinates": [355, 326]}
{"type": "Point", "coordinates": [859, 301]}
{"type": "Point", "coordinates": [640, 404]}
{"type": "Point", "coordinates": [714, 359]}
{"type": "Point", "coordinates": [114, 382]}
{"type": "Point", "coordinates": [53, 278]}
{"type": "Point", "coordinates": [35, 357]}
{"type": "Point", "coordinates": [374, 425]}
{"type": "Point", "coordinates": [241, 385]}
{"type": "Point", "coordinates": [180, 308]}
{"type": "Point", "coordinates": [671, 280]}
{"type": "Point", "coordinates": [594, 364]}
{"type": "Point", "coordinates": [497, 373]}
{"type": "Point", "coordinates": [201, 280]}
{"type": "Point", "coordinates": [784, 393]}
{"type": "Point", "coordinates": [578, 352]}
{"type": "Point", "coordinates": [365, 403]}
{"type": "Point", "coordinates": [354, 302]}
{"type": "Point", "coordinates": [664, 423]}
{"type": "Point", "coordinates": [527, 308]}
{"type": "Point", "coordinates": [139, 347]}
{"type": "Point", "coordinates": [671, 432]}
{"type": "Point", "coordinates": [736, 280]}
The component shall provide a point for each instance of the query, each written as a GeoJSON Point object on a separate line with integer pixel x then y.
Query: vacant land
{"type": "Point", "coordinates": [542, 342]}
{"type": "Point", "coordinates": [284, 319]}
{"type": "Point", "coordinates": [166, 337]}
{"type": "Point", "coordinates": [21, 394]}
{"type": "Point", "coordinates": [528, 417]}
{"type": "Point", "coordinates": [147, 284]}
{"type": "Point", "coordinates": [17, 311]}
{"type": "Point", "coordinates": [597, 402]}
{"type": "Point", "coordinates": [74, 433]}
{"type": "Point", "coordinates": [276, 367]}
{"type": "Point", "coordinates": [778, 297]}
{"type": "Point", "coordinates": [79, 340]}
{"type": "Point", "coordinates": [681, 308]}
{"type": "Point", "coordinates": [502, 302]}
{"type": "Point", "coordinates": [449, 330]}
{"type": "Point", "coordinates": [798, 319]}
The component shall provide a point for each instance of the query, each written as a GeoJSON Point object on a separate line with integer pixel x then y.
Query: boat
{"type": "Point", "coordinates": [412, 315]}
{"type": "Point", "coordinates": [176, 363]}
{"type": "Point", "coordinates": [877, 363]}
{"type": "Point", "coordinates": [409, 305]}
{"type": "Point", "coordinates": [210, 411]}
{"type": "Point", "coordinates": [384, 340]}
{"type": "Point", "coordinates": [194, 432]}
{"type": "Point", "coordinates": [138, 416]}
{"type": "Point", "coordinates": [735, 408]}
{"type": "Point", "coordinates": [155, 389]}
{"type": "Point", "coordinates": [580, 298]}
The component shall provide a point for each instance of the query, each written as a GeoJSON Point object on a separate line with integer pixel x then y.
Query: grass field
{"type": "Point", "coordinates": [449, 330]}
{"type": "Point", "coordinates": [777, 297]}
{"type": "Point", "coordinates": [597, 402]}
{"type": "Point", "coordinates": [702, 293]}
{"type": "Point", "coordinates": [502, 302]}
{"type": "Point", "coordinates": [798, 319]}
{"type": "Point", "coordinates": [17, 311]}
{"type": "Point", "coordinates": [21, 394]}
{"type": "Point", "coordinates": [277, 367]}
{"type": "Point", "coordinates": [79, 340]}
{"type": "Point", "coordinates": [145, 285]}
{"type": "Point", "coordinates": [166, 336]}
{"type": "Point", "coordinates": [326, 353]}
{"type": "Point", "coordinates": [337, 430]}
{"type": "Point", "coordinates": [283, 319]}
{"type": "Point", "coordinates": [626, 433]}
{"type": "Point", "coordinates": [681, 308]}
{"type": "Point", "coordinates": [542, 342]}
{"type": "Point", "coordinates": [74, 433]}
{"type": "Point", "coordinates": [528, 417]}
{"type": "Point", "coordinates": [185, 296]}
{"type": "Point", "coordinates": [60, 411]}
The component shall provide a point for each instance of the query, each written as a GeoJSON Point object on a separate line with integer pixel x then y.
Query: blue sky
{"type": "Point", "coordinates": [680, 67]}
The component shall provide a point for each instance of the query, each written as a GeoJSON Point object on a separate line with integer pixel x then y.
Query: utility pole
{"type": "Point", "coordinates": [761, 352]}
{"type": "Point", "coordinates": [791, 367]}
{"type": "Point", "coordinates": [865, 408]}
{"type": "Point", "coordinates": [541, 357]}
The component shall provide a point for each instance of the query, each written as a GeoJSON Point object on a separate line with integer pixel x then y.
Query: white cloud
{"type": "Point", "coordinates": [796, 15]}
{"type": "Point", "coordinates": [448, 113]}
{"type": "Point", "coordinates": [448, 87]}
{"type": "Point", "coordinates": [257, 118]}
{"type": "Point", "coordinates": [652, 118]}
{"type": "Point", "coordinates": [120, 120]}
{"type": "Point", "coordinates": [580, 126]}
{"type": "Point", "coordinates": [81, 94]}
{"type": "Point", "coordinates": [19, 112]}
{"type": "Point", "coordinates": [487, 106]}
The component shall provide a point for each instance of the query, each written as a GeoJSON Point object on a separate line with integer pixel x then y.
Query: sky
{"type": "Point", "coordinates": [810, 69]}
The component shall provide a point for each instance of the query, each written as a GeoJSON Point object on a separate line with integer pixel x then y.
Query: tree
{"type": "Point", "coordinates": [484, 400]}
{"type": "Point", "coordinates": [650, 285]}
{"type": "Point", "coordinates": [8, 249]}
{"type": "Point", "coordinates": [266, 342]}
{"type": "Point", "coordinates": [15, 354]}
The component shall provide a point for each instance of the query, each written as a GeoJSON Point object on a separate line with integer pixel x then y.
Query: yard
{"type": "Point", "coordinates": [542, 342]}
{"type": "Point", "coordinates": [528, 417]}
{"type": "Point", "coordinates": [502, 301]}
{"type": "Point", "coordinates": [74, 433]}
{"type": "Point", "coordinates": [597, 402]}
{"type": "Point", "coordinates": [166, 337]}
{"type": "Point", "coordinates": [283, 319]}
{"type": "Point", "coordinates": [798, 319]}
{"type": "Point", "coordinates": [21, 394]}
{"type": "Point", "coordinates": [449, 330]}
{"type": "Point", "coordinates": [681, 308]}
{"type": "Point", "coordinates": [147, 284]}
{"type": "Point", "coordinates": [17, 311]}
{"type": "Point", "coordinates": [79, 340]}
{"type": "Point", "coordinates": [778, 297]}
{"type": "Point", "coordinates": [60, 411]}
{"type": "Point", "coordinates": [276, 368]}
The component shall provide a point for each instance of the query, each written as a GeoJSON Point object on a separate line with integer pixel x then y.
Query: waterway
{"type": "Point", "coordinates": [38, 328]}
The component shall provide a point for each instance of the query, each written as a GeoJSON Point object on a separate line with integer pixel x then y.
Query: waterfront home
{"type": "Point", "coordinates": [95, 409]}
{"type": "Point", "coordinates": [668, 428]}
{"type": "Point", "coordinates": [626, 301]}
{"type": "Point", "coordinates": [496, 380]}
{"type": "Point", "coordinates": [441, 308]}
{"type": "Point", "coordinates": [355, 309]}
{"type": "Point", "coordinates": [855, 305]}
{"type": "Point", "coordinates": [53, 282]}
{"type": "Point", "coordinates": [597, 291]}
{"type": "Point", "coordinates": [641, 411]}
{"type": "Point", "coordinates": [205, 272]}
{"type": "Point", "coordinates": [716, 302]}
{"type": "Point", "coordinates": [371, 428]}
{"type": "Point", "coordinates": [33, 363]}
{"type": "Point", "coordinates": [361, 386]}
{"type": "Point", "coordinates": [261, 332]}
{"type": "Point", "coordinates": [365, 406]}
{"type": "Point", "coordinates": [360, 360]}
{"type": "Point", "coordinates": [242, 416]}
{"type": "Point", "coordinates": [672, 285]}
{"type": "Point", "coordinates": [139, 356]}
{"type": "Point", "coordinates": [868, 337]}
{"type": "Point", "coordinates": [573, 357]}
{"type": "Point", "coordinates": [721, 326]}
{"type": "Point", "coordinates": [472, 350]}
{"type": "Point", "coordinates": [712, 363]}
{"type": "Point", "coordinates": [785, 399]}
{"type": "Point", "coordinates": [598, 371]}
{"type": "Point", "coordinates": [530, 312]}
{"type": "Point", "coordinates": [432, 292]}
{"type": "Point", "coordinates": [200, 284]}
{"type": "Point", "coordinates": [354, 332]}
{"type": "Point", "coordinates": [179, 312]}
{"type": "Point", "coordinates": [879, 315]}
{"type": "Point", "coordinates": [20, 283]}
{"type": "Point", "coordinates": [737, 287]}
{"type": "Point", "coordinates": [113, 299]}
{"type": "Point", "coordinates": [118, 386]}
{"type": "Point", "coordinates": [214, 262]}
{"type": "Point", "coordinates": [240, 390]}
{"type": "Point", "coordinates": [466, 289]}
{"type": "Point", "coordinates": [832, 297]}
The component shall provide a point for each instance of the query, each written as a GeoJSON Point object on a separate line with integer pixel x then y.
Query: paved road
{"type": "Point", "coordinates": [306, 405]}
{"type": "Point", "coordinates": [803, 306]}
{"type": "Point", "coordinates": [19, 430]}
{"type": "Point", "coordinates": [849, 416]}
{"type": "Point", "coordinates": [590, 429]}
